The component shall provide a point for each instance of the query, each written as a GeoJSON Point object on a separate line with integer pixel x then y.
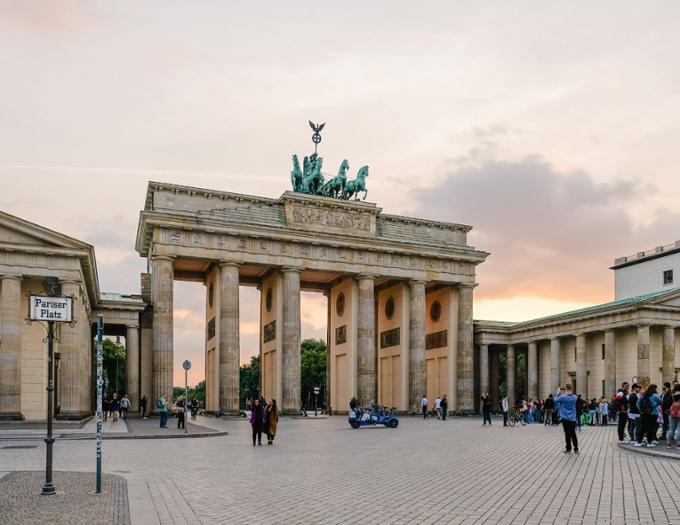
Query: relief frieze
{"type": "Point", "coordinates": [330, 218]}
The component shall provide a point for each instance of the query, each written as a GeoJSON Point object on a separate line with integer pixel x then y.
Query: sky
{"type": "Point", "coordinates": [550, 127]}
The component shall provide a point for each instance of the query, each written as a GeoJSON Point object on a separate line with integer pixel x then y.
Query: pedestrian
{"type": "Point", "coordinates": [635, 426]}
{"type": "Point", "coordinates": [143, 404]}
{"type": "Point", "coordinates": [194, 409]}
{"type": "Point", "coordinates": [124, 406]}
{"type": "Point", "coordinates": [620, 406]}
{"type": "Point", "coordinates": [438, 407]}
{"type": "Point", "coordinates": [162, 406]}
{"type": "Point", "coordinates": [666, 402]}
{"type": "Point", "coordinates": [566, 404]}
{"type": "Point", "coordinates": [115, 407]}
{"type": "Point", "coordinates": [257, 420]}
{"type": "Point", "coordinates": [271, 421]}
{"type": "Point", "coordinates": [485, 398]}
{"type": "Point", "coordinates": [538, 411]}
{"type": "Point", "coordinates": [180, 410]}
{"type": "Point", "coordinates": [649, 404]}
{"type": "Point", "coordinates": [445, 407]}
{"type": "Point", "coordinates": [673, 434]}
{"type": "Point", "coordinates": [106, 406]}
{"type": "Point", "coordinates": [604, 412]}
{"type": "Point", "coordinates": [549, 407]}
{"type": "Point", "coordinates": [506, 409]}
{"type": "Point", "coordinates": [580, 410]}
{"type": "Point", "coordinates": [423, 405]}
{"type": "Point", "coordinates": [592, 412]}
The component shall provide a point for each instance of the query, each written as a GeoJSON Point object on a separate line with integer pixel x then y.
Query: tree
{"type": "Point", "coordinates": [113, 367]}
{"type": "Point", "coordinates": [249, 376]}
{"type": "Point", "coordinates": [313, 357]}
{"type": "Point", "coordinates": [197, 392]}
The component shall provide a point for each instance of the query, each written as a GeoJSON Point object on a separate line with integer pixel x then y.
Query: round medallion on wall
{"type": "Point", "coordinates": [389, 308]}
{"type": "Point", "coordinates": [435, 311]}
{"type": "Point", "coordinates": [268, 300]}
{"type": "Point", "coordinates": [211, 293]}
{"type": "Point", "coordinates": [340, 304]}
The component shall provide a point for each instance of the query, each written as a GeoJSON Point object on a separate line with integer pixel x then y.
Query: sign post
{"type": "Point", "coordinates": [100, 388]}
{"type": "Point", "coordinates": [186, 365]}
{"type": "Point", "coordinates": [52, 309]}
{"type": "Point", "coordinates": [316, 399]}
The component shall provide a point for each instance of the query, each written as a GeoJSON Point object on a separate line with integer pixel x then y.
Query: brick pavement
{"type": "Point", "coordinates": [423, 472]}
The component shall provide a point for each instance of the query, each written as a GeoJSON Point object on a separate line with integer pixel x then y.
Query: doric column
{"type": "Point", "coordinates": [290, 362]}
{"type": "Point", "coordinates": [366, 357]}
{"type": "Point", "coordinates": [668, 355]}
{"type": "Point", "coordinates": [417, 370]}
{"type": "Point", "coordinates": [465, 380]}
{"type": "Point", "coordinates": [70, 362]}
{"type": "Point", "coordinates": [10, 347]}
{"type": "Point", "coordinates": [495, 378]}
{"type": "Point", "coordinates": [554, 364]}
{"type": "Point", "coordinates": [327, 390]}
{"type": "Point", "coordinates": [511, 368]}
{"type": "Point", "coordinates": [132, 366]}
{"type": "Point", "coordinates": [643, 354]}
{"type": "Point", "coordinates": [484, 367]}
{"type": "Point", "coordinates": [581, 370]}
{"type": "Point", "coordinates": [162, 275]}
{"type": "Point", "coordinates": [609, 363]}
{"type": "Point", "coordinates": [532, 370]}
{"type": "Point", "coordinates": [229, 352]}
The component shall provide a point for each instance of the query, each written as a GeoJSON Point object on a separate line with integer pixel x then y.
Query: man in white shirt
{"type": "Point", "coordinates": [423, 404]}
{"type": "Point", "coordinates": [438, 407]}
{"type": "Point", "coordinates": [506, 410]}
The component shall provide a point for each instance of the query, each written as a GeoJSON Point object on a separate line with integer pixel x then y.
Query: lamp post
{"type": "Point", "coordinates": [316, 399]}
{"type": "Point", "coordinates": [186, 365]}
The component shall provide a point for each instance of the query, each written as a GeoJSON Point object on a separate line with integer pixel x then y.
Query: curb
{"type": "Point", "coordinates": [661, 454]}
{"type": "Point", "coordinates": [107, 437]}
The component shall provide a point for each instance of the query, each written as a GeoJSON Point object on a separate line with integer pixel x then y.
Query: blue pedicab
{"type": "Point", "coordinates": [377, 415]}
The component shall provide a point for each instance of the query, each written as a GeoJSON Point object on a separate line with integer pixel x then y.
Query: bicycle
{"type": "Point", "coordinates": [514, 417]}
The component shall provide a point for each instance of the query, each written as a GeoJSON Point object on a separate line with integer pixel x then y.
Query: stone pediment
{"type": "Point", "coordinates": [671, 298]}
{"type": "Point", "coordinates": [19, 232]}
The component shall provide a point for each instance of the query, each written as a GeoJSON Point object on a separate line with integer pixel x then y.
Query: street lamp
{"type": "Point", "coordinates": [316, 398]}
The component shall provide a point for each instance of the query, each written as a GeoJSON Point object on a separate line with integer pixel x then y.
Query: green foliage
{"type": "Point", "coordinates": [197, 392]}
{"type": "Point", "coordinates": [115, 382]}
{"type": "Point", "coordinates": [313, 370]}
{"type": "Point", "coordinates": [249, 376]}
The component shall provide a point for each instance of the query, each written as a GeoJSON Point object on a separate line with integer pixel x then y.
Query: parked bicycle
{"type": "Point", "coordinates": [516, 416]}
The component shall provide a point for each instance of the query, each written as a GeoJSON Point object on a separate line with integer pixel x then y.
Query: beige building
{"type": "Point", "coordinates": [596, 348]}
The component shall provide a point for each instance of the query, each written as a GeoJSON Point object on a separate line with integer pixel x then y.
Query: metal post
{"type": "Point", "coordinates": [100, 387]}
{"type": "Point", "coordinates": [48, 488]}
{"type": "Point", "coordinates": [186, 400]}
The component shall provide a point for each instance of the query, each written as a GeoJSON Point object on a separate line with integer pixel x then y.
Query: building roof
{"type": "Point", "coordinates": [647, 255]}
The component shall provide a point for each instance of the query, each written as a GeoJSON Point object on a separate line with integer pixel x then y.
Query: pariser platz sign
{"type": "Point", "coordinates": [44, 308]}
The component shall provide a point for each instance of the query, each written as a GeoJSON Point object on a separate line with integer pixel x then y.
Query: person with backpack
{"type": "Point", "coordinates": [674, 421]}
{"type": "Point", "coordinates": [143, 404]}
{"type": "Point", "coordinates": [648, 405]}
{"type": "Point", "coordinates": [566, 404]}
{"type": "Point", "coordinates": [580, 410]}
{"type": "Point", "coordinates": [635, 425]}
{"type": "Point", "coordinates": [666, 402]}
{"type": "Point", "coordinates": [620, 407]}
{"type": "Point", "coordinates": [180, 410]}
{"type": "Point", "coordinates": [124, 406]}
{"type": "Point", "coordinates": [445, 407]}
{"type": "Point", "coordinates": [549, 407]}
{"type": "Point", "coordinates": [162, 407]}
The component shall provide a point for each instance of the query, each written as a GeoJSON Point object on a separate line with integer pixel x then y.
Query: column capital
{"type": "Point", "coordinates": [643, 324]}
{"type": "Point", "coordinates": [417, 281]}
{"type": "Point", "coordinates": [290, 269]}
{"type": "Point", "coordinates": [229, 264]}
{"type": "Point", "coordinates": [163, 258]}
{"type": "Point", "coordinates": [366, 276]}
{"type": "Point", "coordinates": [609, 330]}
{"type": "Point", "coordinates": [467, 285]}
{"type": "Point", "coordinates": [14, 276]}
{"type": "Point", "coordinates": [132, 327]}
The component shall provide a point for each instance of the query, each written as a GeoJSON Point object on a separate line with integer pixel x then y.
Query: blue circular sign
{"type": "Point", "coordinates": [186, 365]}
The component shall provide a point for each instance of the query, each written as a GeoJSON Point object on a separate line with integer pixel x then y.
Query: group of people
{"type": "Point", "coordinates": [180, 409]}
{"type": "Point", "coordinates": [440, 409]}
{"type": "Point", "coordinates": [264, 418]}
{"type": "Point", "coordinates": [643, 411]}
{"type": "Point", "coordinates": [114, 407]}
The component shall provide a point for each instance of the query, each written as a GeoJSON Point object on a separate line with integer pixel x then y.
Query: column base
{"type": "Point", "coordinates": [230, 414]}
{"type": "Point", "coordinates": [465, 412]}
{"type": "Point", "coordinates": [73, 416]}
{"type": "Point", "coordinates": [11, 416]}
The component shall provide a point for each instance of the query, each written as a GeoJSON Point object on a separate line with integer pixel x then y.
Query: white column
{"type": "Point", "coordinates": [610, 363]}
{"type": "Point", "coordinates": [70, 363]}
{"type": "Point", "coordinates": [581, 366]}
{"type": "Point", "coordinates": [132, 366]}
{"type": "Point", "coordinates": [417, 371]}
{"type": "Point", "coordinates": [532, 370]}
{"type": "Point", "coordinates": [643, 355]}
{"type": "Point", "coordinates": [554, 364]}
{"type": "Point", "coordinates": [10, 347]}
{"type": "Point", "coordinates": [366, 356]}
{"type": "Point", "coordinates": [290, 362]}
{"type": "Point", "coordinates": [484, 367]}
{"type": "Point", "coordinates": [511, 371]}
{"type": "Point", "coordinates": [229, 338]}
{"type": "Point", "coordinates": [466, 352]}
{"type": "Point", "coordinates": [162, 275]}
{"type": "Point", "coordinates": [668, 355]}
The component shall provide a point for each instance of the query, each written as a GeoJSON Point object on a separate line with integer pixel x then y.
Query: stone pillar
{"type": "Point", "coordinates": [327, 389]}
{"type": "Point", "coordinates": [511, 370]}
{"type": "Point", "coordinates": [484, 368]}
{"type": "Point", "coordinates": [668, 355]}
{"type": "Point", "coordinates": [290, 362]}
{"type": "Point", "coordinates": [162, 275]}
{"type": "Point", "coordinates": [554, 364]}
{"type": "Point", "coordinates": [10, 347]}
{"type": "Point", "coordinates": [610, 363]}
{"type": "Point", "coordinates": [465, 379]}
{"type": "Point", "coordinates": [417, 369]}
{"type": "Point", "coordinates": [581, 366]}
{"type": "Point", "coordinates": [146, 359]}
{"type": "Point", "coordinates": [532, 370]}
{"type": "Point", "coordinates": [643, 355]}
{"type": "Point", "coordinates": [132, 366]}
{"type": "Point", "coordinates": [495, 379]}
{"type": "Point", "coordinates": [71, 362]}
{"type": "Point", "coordinates": [229, 351]}
{"type": "Point", "coordinates": [366, 356]}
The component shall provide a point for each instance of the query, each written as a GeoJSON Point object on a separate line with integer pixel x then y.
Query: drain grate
{"type": "Point", "coordinates": [19, 446]}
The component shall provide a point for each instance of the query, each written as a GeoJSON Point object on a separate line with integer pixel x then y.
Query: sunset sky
{"type": "Point", "coordinates": [550, 127]}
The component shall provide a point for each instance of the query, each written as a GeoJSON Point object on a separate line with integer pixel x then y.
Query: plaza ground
{"type": "Point", "coordinates": [321, 471]}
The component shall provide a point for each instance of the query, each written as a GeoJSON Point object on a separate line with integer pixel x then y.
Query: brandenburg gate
{"type": "Point", "coordinates": [399, 290]}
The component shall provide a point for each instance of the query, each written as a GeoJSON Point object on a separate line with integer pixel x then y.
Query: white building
{"type": "Point", "coordinates": [646, 272]}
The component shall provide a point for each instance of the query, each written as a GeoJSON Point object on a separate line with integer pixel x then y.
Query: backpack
{"type": "Point", "coordinates": [675, 409]}
{"type": "Point", "coordinates": [159, 404]}
{"type": "Point", "coordinates": [645, 405]}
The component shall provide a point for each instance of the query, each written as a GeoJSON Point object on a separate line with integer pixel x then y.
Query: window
{"type": "Point", "coordinates": [603, 354]}
{"type": "Point", "coordinates": [603, 388]}
{"type": "Point", "coordinates": [574, 354]}
{"type": "Point", "coordinates": [668, 277]}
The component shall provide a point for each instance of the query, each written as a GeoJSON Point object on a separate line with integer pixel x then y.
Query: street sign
{"type": "Point", "coordinates": [43, 308]}
{"type": "Point", "coordinates": [186, 365]}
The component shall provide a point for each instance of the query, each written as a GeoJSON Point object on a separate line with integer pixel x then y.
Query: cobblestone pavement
{"type": "Point", "coordinates": [321, 471]}
{"type": "Point", "coordinates": [74, 502]}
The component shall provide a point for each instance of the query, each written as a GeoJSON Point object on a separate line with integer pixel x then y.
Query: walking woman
{"type": "Point", "coordinates": [115, 407]}
{"type": "Point", "coordinates": [649, 412]}
{"type": "Point", "coordinates": [257, 420]}
{"type": "Point", "coordinates": [271, 421]}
